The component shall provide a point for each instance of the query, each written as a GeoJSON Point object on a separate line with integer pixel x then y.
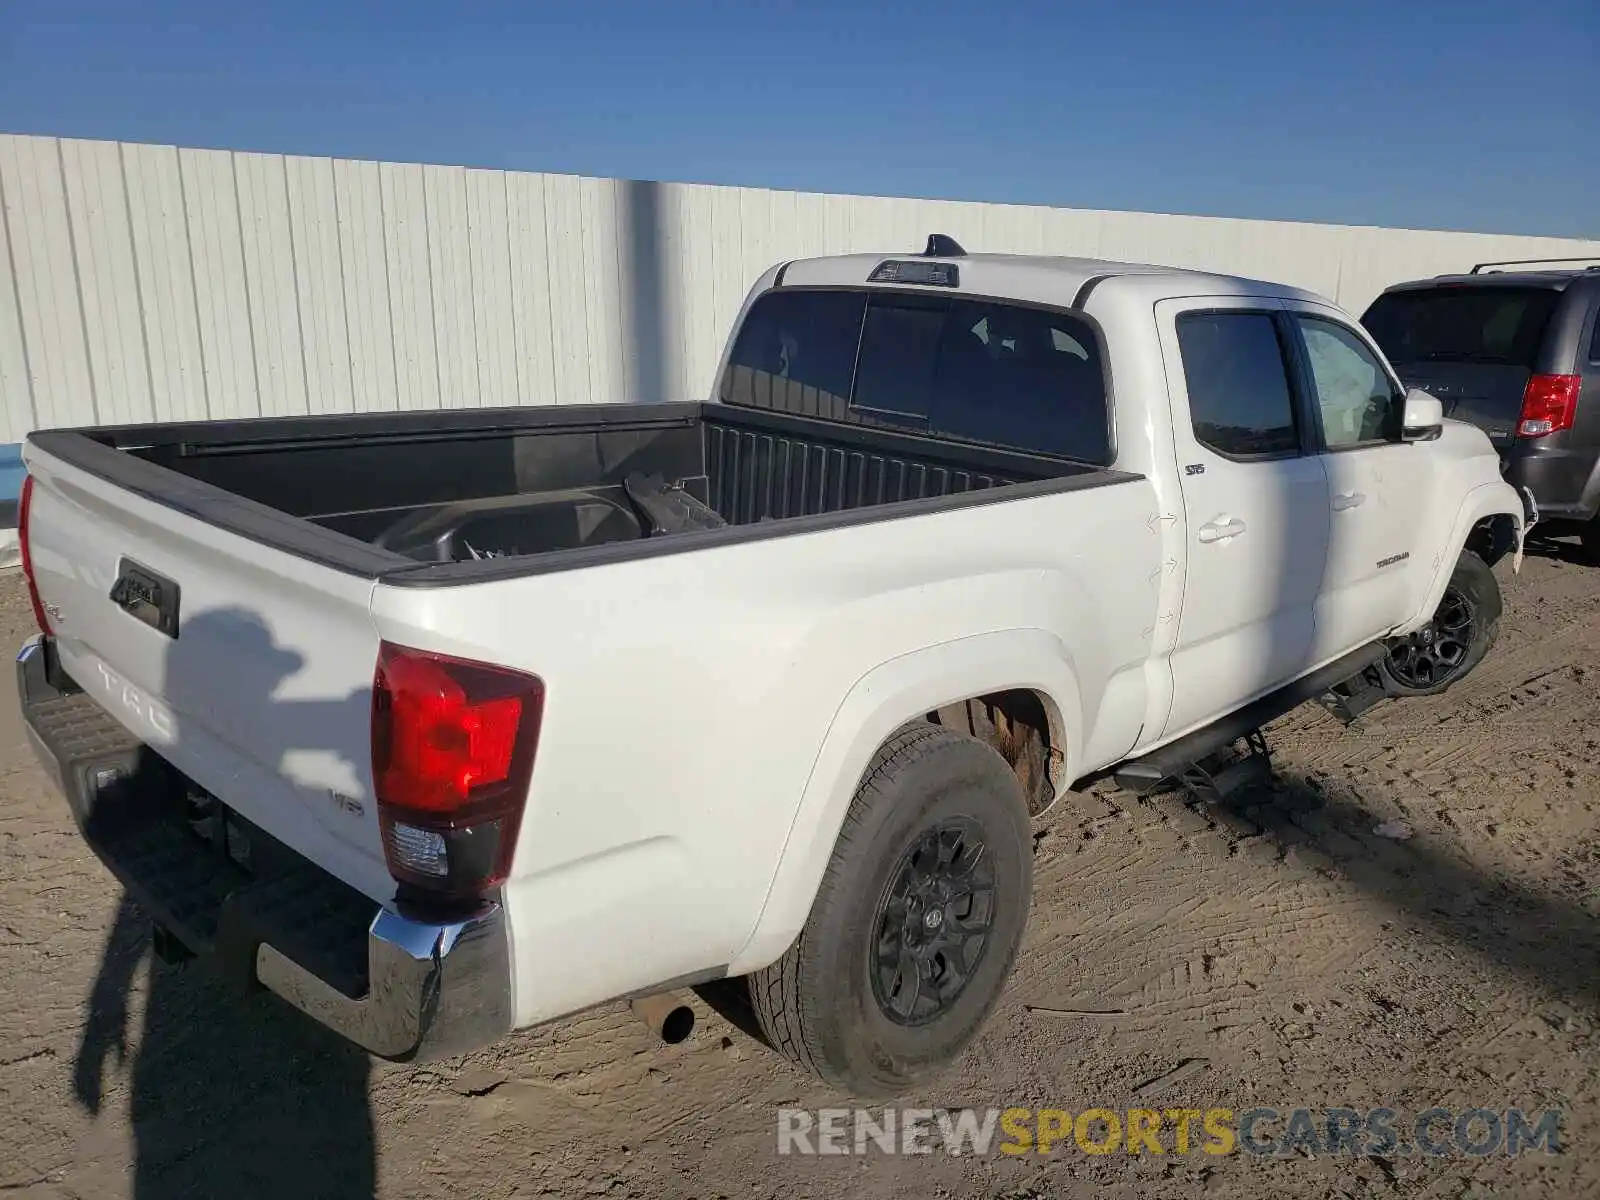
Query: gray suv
{"type": "Point", "coordinates": [1517, 353]}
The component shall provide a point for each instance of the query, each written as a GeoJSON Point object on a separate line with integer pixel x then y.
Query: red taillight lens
{"type": "Point", "coordinates": [452, 754]}
{"type": "Point", "coordinates": [24, 508]}
{"type": "Point", "coordinates": [1549, 403]}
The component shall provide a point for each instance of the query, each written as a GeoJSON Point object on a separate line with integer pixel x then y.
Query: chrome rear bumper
{"type": "Point", "coordinates": [433, 990]}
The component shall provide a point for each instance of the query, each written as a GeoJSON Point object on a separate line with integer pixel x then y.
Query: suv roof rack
{"type": "Point", "coordinates": [1480, 268]}
{"type": "Point", "coordinates": [942, 245]}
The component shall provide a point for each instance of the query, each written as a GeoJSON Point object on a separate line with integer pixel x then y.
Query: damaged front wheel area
{"type": "Point", "coordinates": [1454, 639]}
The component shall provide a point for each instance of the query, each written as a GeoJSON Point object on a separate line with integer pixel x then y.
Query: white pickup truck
{"type": "Point", "coordinates": [440, 725]}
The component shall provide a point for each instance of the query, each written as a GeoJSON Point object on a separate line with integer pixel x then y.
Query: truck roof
{"type": "Point", "coordinates": [1044, 279]}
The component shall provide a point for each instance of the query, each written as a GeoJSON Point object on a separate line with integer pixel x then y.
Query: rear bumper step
{"type": "Point", "coordinates": [403, 989]}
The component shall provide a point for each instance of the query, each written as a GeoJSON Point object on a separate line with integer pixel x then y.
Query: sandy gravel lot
{"type": "Point", "coordinates": [1294, 956]}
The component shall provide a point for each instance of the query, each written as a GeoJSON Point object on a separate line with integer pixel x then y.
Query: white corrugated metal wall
{"type": "Point", "coordinates": [157, 283]}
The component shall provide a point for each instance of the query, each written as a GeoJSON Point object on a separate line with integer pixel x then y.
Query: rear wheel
{"type": "Point", "coordinates": [1591, 539]}
{"type": "Point", "coordinates": [1455, 638]}
{"type": "Point", "coordinates": [916, 924]}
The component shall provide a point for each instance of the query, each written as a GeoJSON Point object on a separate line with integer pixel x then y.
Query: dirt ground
{"type": "Point", "coordinates": [1298, 958]}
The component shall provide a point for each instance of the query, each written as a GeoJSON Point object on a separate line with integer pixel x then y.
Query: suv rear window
{"type": "Point", "coordinates": [1462, 324]}
{"type": "Point", "coordinates": [986, 371]}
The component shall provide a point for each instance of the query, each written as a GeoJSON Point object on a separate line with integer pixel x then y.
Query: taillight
{"type": "Point", "coordinates": [1549, 403]}
{"type": "Point", "coordinates": [24, 507]}
{"type": "Point", "coordinates": [452, 754]}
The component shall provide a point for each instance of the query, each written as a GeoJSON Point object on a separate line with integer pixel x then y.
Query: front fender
{"type": "Point", "coordinates": [1485, 500]}
{"type": "Point", "coordinates": [884, 699]}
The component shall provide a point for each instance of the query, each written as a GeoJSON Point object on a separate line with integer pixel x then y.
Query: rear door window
{"type": "Point", "coordinates": [1463, 324]}
{"type": "Point", "coordinates": [1240, 402]}
{"type": "Point", "coordinates": [1006, 375]}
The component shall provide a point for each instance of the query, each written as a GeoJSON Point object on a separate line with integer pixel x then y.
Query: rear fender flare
{"type": "Point", "coordinates": [886, 698]}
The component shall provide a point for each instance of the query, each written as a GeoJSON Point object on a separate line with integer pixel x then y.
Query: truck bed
{"type": "Point", "coordinates": [444, 497]}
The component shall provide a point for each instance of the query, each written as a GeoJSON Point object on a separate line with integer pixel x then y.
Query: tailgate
{"type": "Point", "coordinates": [248, 668]}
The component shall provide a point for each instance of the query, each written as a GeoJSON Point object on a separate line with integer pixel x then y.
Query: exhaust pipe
{"type": "Point", "coordinates": [666, 1016]}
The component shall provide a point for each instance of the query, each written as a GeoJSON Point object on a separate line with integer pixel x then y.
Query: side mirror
{"type": "Point", "coordinates": [1424, 417]}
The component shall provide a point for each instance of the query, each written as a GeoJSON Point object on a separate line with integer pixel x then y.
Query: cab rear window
{"type": "Point", "coordinates": [1006, 375]}
{"type": "Point", "coordinates": [1503, 325]}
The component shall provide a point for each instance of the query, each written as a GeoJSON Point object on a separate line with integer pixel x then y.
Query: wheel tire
{"type": "Point", "coordinates": [820, 1003]}
{"type": "Point", "coordinates": [1473, 583]}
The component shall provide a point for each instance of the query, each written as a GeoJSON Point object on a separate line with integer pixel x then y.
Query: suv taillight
{"type": "Point", "coordinates": [452, 754]}
{"type": "Point", "coordinates": [24, 508]}
{"type": "Point", "coordinates": [1549, 403]}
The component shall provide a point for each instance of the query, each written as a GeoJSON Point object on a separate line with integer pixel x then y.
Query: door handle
{"type": "Point", "coordinates": [1221, 531]}
{"type": "Point", "coordinates": [1344, 500]}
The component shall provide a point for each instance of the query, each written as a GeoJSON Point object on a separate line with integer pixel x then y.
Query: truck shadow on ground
{"type": "Point", "coordinates": [1547, 939]}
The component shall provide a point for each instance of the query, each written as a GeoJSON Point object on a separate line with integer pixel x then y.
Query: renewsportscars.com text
{"type": "Point", "coordinates": [1382, 1132]}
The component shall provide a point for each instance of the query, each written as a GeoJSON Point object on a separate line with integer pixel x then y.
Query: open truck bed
{"type": "Point", "coordinates": [437, 498]}
{"type": "Point", "coordinates": [220, 604]}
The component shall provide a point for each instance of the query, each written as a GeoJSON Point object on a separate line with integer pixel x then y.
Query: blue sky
{"type": "Point", "coordinates": [1461, 115]}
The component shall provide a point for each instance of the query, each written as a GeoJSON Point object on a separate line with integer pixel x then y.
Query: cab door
{"type": "Point", "coordinates": [1377, 484]}
{"type": "Point", "coordinates": [1255, 505]}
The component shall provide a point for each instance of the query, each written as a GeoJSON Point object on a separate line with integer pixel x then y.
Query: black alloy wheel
{"type": "Point", "coordinates": [1434, 655]}
{"type": "Point", "coordinates": [933, 923]}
